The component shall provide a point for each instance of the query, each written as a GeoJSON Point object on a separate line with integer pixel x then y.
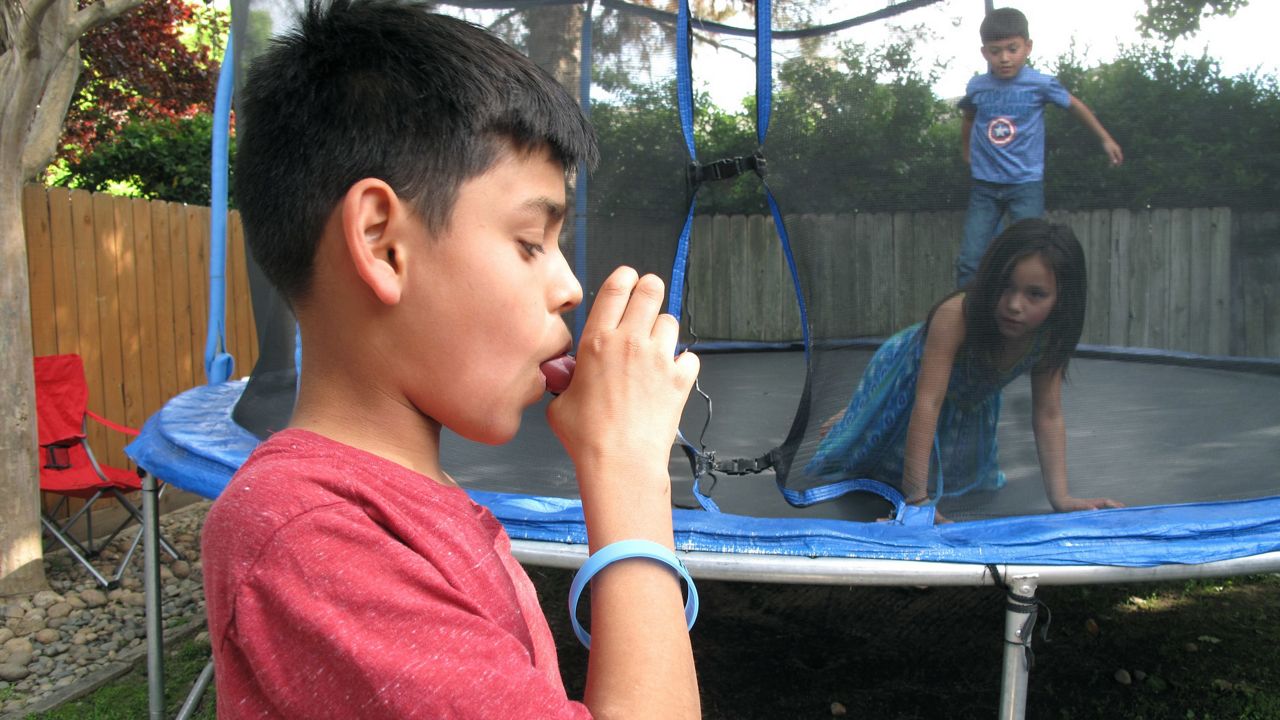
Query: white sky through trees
{"type": "Point", "coordinates": [1098, 28]}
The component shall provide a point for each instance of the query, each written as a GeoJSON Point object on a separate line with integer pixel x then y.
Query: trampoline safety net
{"type": "Point", "coordinates": [799, 183]}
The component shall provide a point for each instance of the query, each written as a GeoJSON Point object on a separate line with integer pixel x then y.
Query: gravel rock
{"type": "Point", "coordinates": [12, 673]}
{"type": "Point", "coordinates": [53, 638]}
{"type": "Point", "coordinates": [46, 598]}
{"type": "Point", "coordinates": [1122, 677]}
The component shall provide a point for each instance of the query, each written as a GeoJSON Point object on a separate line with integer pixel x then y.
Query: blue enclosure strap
{"type": "Point", "coordinates": [218, 364]}
{"type": "Point", "coordinates": [580, 178]}
{"type": "Point", "coordinates": [684, 98]}
{"type": "Point", "coordinates": [764, 105]}
{"type": "Point", "coordinates": [764, 68]}
{"type": "Point", "coordinates": [684, 78]}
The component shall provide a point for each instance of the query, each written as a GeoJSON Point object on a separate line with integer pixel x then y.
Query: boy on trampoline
{"type": "Point", "coordinates": [402, 181]}
{"type": "Point", "coordinates": [924, 416]}
{"type": "Point", "coordinates": [1002, 135]}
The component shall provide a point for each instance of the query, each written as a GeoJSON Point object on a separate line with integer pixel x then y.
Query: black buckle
{"type": "Point", "coordinates": [58, 457]}
{"type": "Point", "coordinates": [745, 466]}
{"type": "Point", "coordinates": [725, 168]}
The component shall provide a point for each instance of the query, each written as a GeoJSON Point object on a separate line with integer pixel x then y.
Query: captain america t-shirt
{"type": "Point", "coordinates": [1006, 144]}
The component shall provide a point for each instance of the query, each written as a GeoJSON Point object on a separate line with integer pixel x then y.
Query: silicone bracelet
{"type": "Point", "coordinates": [623, 550]}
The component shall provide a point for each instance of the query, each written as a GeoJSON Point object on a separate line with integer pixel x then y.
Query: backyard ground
{"type": "Point", "coordinates": [1184, 651]}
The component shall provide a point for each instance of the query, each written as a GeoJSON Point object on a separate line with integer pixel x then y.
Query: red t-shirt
{"type": "Point", "coordinates": [342, 585]}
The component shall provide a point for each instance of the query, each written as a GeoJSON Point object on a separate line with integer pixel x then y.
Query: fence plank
{"type": "Point", "coordinates": [88, 344]}
{"type": "Point", "coordinates": [35, 216]}
{"type": "Point", "coordinates": [135, 407]}
{"type": "Point", "coordinates": [1219, 261]}
{"type": "Point", "coordinates": [182, 310]}
{"type": "Point", "coordinates": [145, 284]}
{"type": "Point", "coordinates": [197, 221]}
{"type": "Point", "coordinates": [833, 263]}
{"type": "Point", "coordinates": [1200, 299]}
{"type": "Point", "coordinates": [903, 309]}
{"type": "Point", "coordinates": [107, 245]}
{"type": "Point", "coordinates": [62, 247]}
{"type": "Point", "coordinates": [1098, 256]}
{"type": "Point", "coordinates": [1156, 262]}
{"type": "Point", "coordinates": [1180, 254]}
{"type": "Point", "coordinates": [246, 334]}
{"type": "Point", "coordinates": [880, 271]}
{"type": "Point", "coordinates": [1120, 240]}
{"type": "Point", "coordinates": [774, 276]}
{"type": "Point", "coordinates": [162, 275]}
{"type": "Point", "coordinates": [724, 246]}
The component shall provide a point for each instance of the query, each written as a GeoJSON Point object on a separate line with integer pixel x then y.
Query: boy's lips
{"type": "Point", "coordinates": [558, 371]}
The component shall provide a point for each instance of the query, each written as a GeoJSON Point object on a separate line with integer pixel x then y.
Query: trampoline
{"type": "Point", "coordinates": [1189, 442]}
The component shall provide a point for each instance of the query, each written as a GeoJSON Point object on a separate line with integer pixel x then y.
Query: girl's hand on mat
{"type": "Point", "coordinates": [1072, 504]}
{"type": "Point", "coordinates": [619, 416]}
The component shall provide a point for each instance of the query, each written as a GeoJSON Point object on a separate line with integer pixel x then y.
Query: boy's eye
{"type": "Point", "coordinates": [531, 248]}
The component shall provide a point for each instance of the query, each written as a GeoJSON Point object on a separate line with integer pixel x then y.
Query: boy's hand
{"type": "Point", "coordinates": [620, 414]}
{"type": "Point", "coordinates": [1112, 148]}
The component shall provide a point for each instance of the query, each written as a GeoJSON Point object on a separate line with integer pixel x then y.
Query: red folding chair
{"type": "Point", "coordinates": [68, 467]}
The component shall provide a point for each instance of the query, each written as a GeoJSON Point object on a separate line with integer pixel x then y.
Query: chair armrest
{"type": "Point", "coordinates": [114, 426]}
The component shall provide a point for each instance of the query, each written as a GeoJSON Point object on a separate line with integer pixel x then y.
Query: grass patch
{"type": "Point", "coordinates": [126, 698]}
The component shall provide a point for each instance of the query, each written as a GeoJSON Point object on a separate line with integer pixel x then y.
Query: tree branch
{"type": "Point", "coordinates": [46, 128]}
{"type": "Point", "coordinates": [97, 13]}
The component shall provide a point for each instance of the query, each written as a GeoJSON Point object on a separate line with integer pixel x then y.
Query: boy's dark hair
{"type": "Point", "coordinates": [383, 89]}
{"type": "Point", "coordinates": [1004, 23]}
{"type": "Point", "coordinates": [1058, 247]}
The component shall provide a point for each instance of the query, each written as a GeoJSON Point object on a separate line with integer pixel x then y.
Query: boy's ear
{"type": "Point", "coordinates": [372, 216]}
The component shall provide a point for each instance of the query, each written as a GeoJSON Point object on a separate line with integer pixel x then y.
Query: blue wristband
{"type": "Point", "coordinates": [623, 550]}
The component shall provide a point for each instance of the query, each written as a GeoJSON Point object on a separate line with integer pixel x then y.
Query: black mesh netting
{"type": "Point", "coordinates": [1181, 241]}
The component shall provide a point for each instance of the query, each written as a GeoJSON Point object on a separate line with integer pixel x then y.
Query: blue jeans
{"type": "Point", "coordinates": [988, 203]}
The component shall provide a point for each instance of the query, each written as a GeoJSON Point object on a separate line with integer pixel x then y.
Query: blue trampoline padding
{"type": "Point", "coordinates": [193, 444]}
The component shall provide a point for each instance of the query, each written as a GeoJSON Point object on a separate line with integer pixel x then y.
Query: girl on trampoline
{"type": "Point", "coordinates": [924, 416]}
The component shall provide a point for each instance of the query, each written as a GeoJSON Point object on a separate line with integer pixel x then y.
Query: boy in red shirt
{"type": "Point", "coordinates": [401, 176]}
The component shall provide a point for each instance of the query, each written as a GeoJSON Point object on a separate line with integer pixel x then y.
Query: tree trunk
{"type": "Point", "coordinates": [21, 558]}
{"type": "Point", "coordinates": [38, 64]}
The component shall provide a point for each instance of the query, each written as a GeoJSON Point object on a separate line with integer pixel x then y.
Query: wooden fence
{"type": "Point", "coordinates": [1203, 280]}
{"type": "Point", "coordinates": [124, 283]}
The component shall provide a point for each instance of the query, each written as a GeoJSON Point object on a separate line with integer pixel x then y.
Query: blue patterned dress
{"type": "Point", "coordinates": [870, 440]}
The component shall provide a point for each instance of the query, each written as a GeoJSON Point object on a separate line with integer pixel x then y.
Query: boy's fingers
{"type": "Point", "coordinates": [611, 301]}
{"type": "Point", "coordinates": [689, 366]}
{"type": "Point", "coordinates": [642, 310]}
{"type": "Point", "coordinates": [666, 332]}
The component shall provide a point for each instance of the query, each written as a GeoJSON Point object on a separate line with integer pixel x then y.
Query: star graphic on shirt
{"type": "Point", "coordinates": [1001, 130]}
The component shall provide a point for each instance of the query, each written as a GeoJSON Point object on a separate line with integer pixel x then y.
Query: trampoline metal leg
{"type": "Point", "coordinates": [1019, 621]}
{"type": "Point", "coordinates": [151, 586]}
{"type": "Point", "coordinates": [197, 692]}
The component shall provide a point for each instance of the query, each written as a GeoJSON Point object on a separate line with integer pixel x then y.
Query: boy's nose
{"type": "Point", "coordinates": [568, 291]}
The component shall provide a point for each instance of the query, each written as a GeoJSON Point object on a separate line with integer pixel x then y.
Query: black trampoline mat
{"type": "Point", "coordinates": [1141, 433]}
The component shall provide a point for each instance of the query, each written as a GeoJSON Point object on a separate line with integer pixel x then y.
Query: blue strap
{"type": "Point", "coordinates": [218, 364]}
{"type": "Point", "coordinates": [764, 68]}
{"type": "Point", "coordinates": [684, 78]}
{"type": "Point", "coordinates": [580, 179]}
{"type": "Point", "coordinates": [785, 238]}
{"type": "Point", "coordinates": [675, 293]}
{"type": "Point", "coordinates": [623, 550]}
{"type": "Point", "coordinates": [903, 514]}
